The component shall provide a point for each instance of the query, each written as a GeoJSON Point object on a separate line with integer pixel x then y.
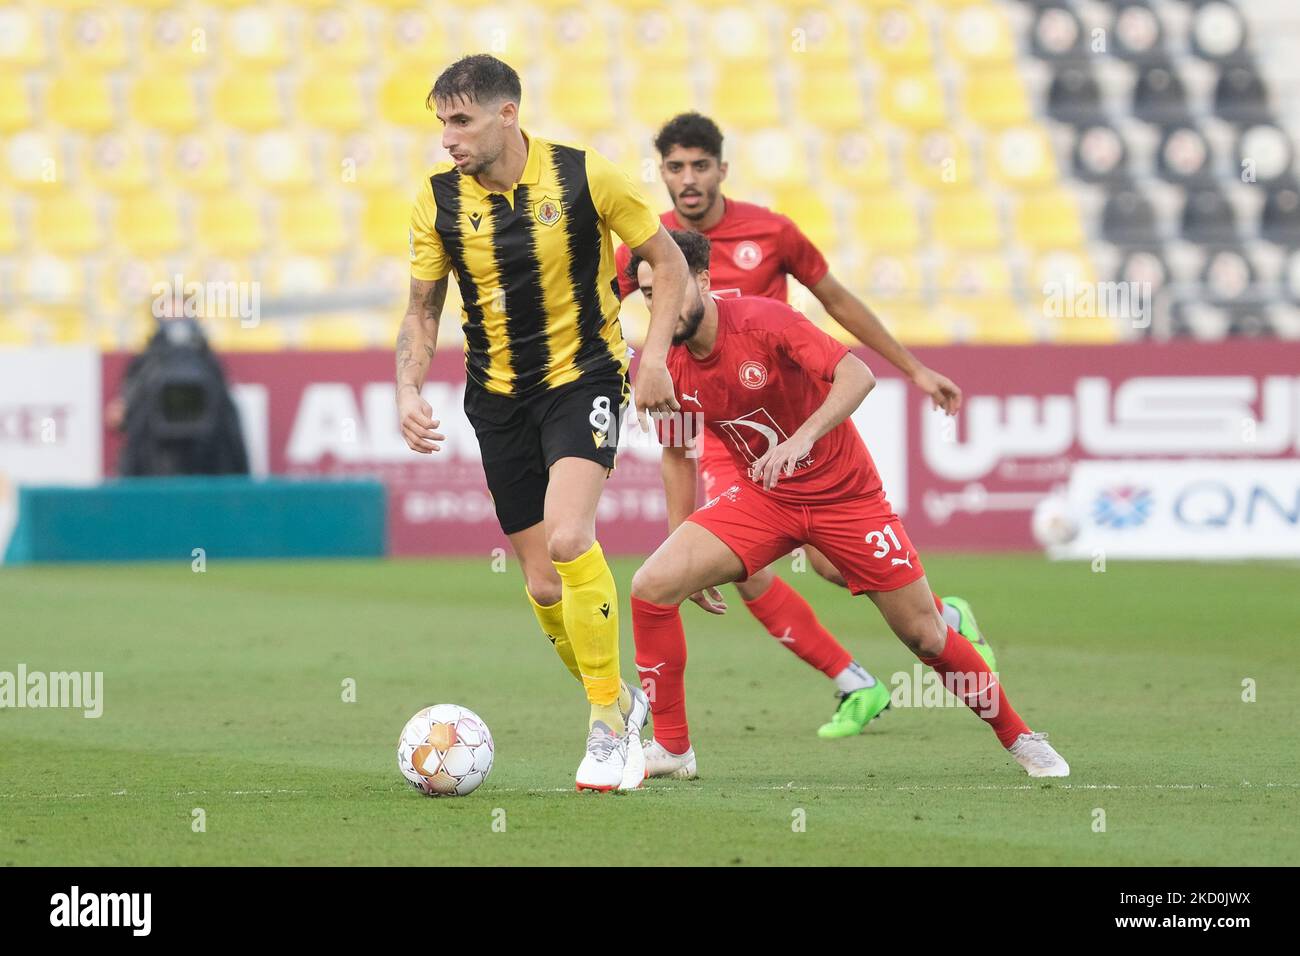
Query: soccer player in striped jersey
{"type": "Point", "coordinates": [525, 224]}
{"type": "Point", "coordinates": [753, 252]}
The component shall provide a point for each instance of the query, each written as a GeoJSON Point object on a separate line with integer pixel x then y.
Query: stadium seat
{"type": "Point", "coordinates": [1240, 96]}
{"type": "Point", "coordinates": [1128, 218]}
{"type": "Point", "coordinates": [820, 34]}
{"type": "Point", "coordinates": [15, 103]}
{"type": "Point", "coordinates": [940, 159]}
{"type": "Point", "coordinates": [31, 161]}
{"type": "Point", "coordinates": [117, 162]}
{"type": "Point", "coordinates": [1208, 218]}
{"type": "Point", "coordinates": [1100, 154]}
{"type": "Point", "coordinates": [336, 333]}
{"type": "Point", "coordinates": [912, 100]}
{"type": "Point", "coordinates": [200, 162]}
{"type": "Point", "coordinates": [1137, 35]}
{"type": "Point", "coordinates": [1048, 219]}
{"type": "Point", "coordinates": [978, 35]}
{"type": "Point", "coordinates": [995, 97]}
{"type": "Point", "coordinates": [68, 224]}
{"type": "Point", "coordinates": [386, 222]}
{"type": "Point", "coordinates": [169, 39]}
{"type": "Point", "coordinates": [149, 224]}
{"type": "Point", "coordinates": [966, 220]}
{"type": "Point", "coordinates": [336, 38]}
{"type": "Point", "coordinates": [911, 323]}
{"type": "Point", "coordinates": [859, 161]}
{"type": "Point", "coordinates": [248, 100]}
{"type": "Point", "coordinates": [887, 223]}
{"type": "Point", "coordinates": [579, 39]}
{"type": "Point", "coordinates": [402, 100]}
{"type": "Point", "coordinates": [1021, 158]}
{"type": "Point", "coordinates": [656, 95]}
{"type": "Point", "coordinates": [1184, 156]}
{"type": "Point", "coordinates": [51, 280]}
{"type": "Point", "coordinates": [810, 212]}
{"type": "Point", "coordinates": [830, 97]}
{"type": "Point", "coordinates": [1218, 33]}
{"type": "Point", "coordinates": [738, 39]}
{"type": "Point", "coordinates": [332, 99]}
{"type": "Point", "coordinates": [165, 101]}
{"type": "Point", "coordinates": [1265, 151]}
{"type": "Point", "coordinates": [654, 40]}
{"type": "Point", "coordinates": [745, 100]}
{"type": "Point", "coordinates": [888, 279]}
{"type": "Point", "coordinates": [312, 224]}
{"type": "Point", "coordinates": [9, 235]}
{"type": "Point", "coordinates": [229, 225]}
{"type": "Point", "coordinates": [585, 105]}
{"type": "Point", "coordinates": [81, 101]}
{"type": "Point", "coordinates": [1159, 95]}
{"type": "Point", "coordinates": [414, 40]}
{"type": "Point", "coordinates": [282, 161]}
{"type": "Point", "coordinates": [227, 335]}
{"type": "Point", "coordinates": [94, 38]}
{"type": "Point", "coordinates": [22, 38]}
{"type": "Point", "coordinates": [1280, 217]}
{"type": "Point", "coordinates": [773, 159]}
{"type": "Point", "coordinates": [1057, 34]}
{"type": "Point", "coordinates": [966, 275]}
{"type": "Point", "coordinates": [298, 274]}
{"type": "Point", "coordinates": [255, 36]}
{"type": "Point", "coordinates": [898, 38]}
{"type": "Point", "coordinates": [992, 321]}
{"type": "Point", "coordinates": [1074, 96]}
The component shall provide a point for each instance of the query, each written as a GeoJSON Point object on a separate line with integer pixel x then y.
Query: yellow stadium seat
{"type": "Point", "coordinates": [68, 223]}
{"type": "Point", "coordinates": [966, 220]}
{"type": "Point", "coordinates": [967, 275]}
{"type": "Point", "coordinates": [995, 97]}
{"type": "Point", "coordinates": [860, 161]}
{"type": "Point", "coordinates": [898, 38]}
{"type": "Point", "coordinates": [386, 222]}
{"type": "Point", "coordinates": [149, 224]}
{"type": "Point", "coordinates": [585, 102]}
{"type": "Point", "coordinates": [940, 159]}
{"type": "Point", "coordinates": [94, 38]}
{"type": "Point", "coordinates": [16, 333]}
{"type": "Point", "coordinates": [312, 224]}
{"type": "Point", "coordinates": [401, 100]}
{"type": "Point", "coordinates": [337, 38]}
{"type": "Point", "coordinates": [913, 324]}
{"type": "Point", "coordinates": [745, 100]}
{"type": "Point", "coordinates": [9, 238]}
{"type": "Point", "coordinates": [979, 35]}
{"type": "Point", "coordinates": [415, 41]}
{"type": "Point", "coordinates": [248, 100]}
{"type": "Point", "coordinates": [773, 159]}
{"type": "Point", "coordinates": [51, 280]}
{"type": "Point", "coordinates": [913, 100]}
{"type": "Point", "coordinates": [332, 100]}
{"type": "Point", "coordinates": [343, 333]}
{"type": "Point", "coordinates": [126, 284]}
{"type": "Point", "coordinates": [22, 39]}
{"type": "Point", "coordinates": [229, 225]}
{"type": "Point", "coordinates": [228, 335]}
{"type": "Point", "coordinates": [200, 163]}
{"type": "Point", "coordinates": [1049, 219]}
{"type": "Point", "coordinates": [119, 163]}
{"type": "Point", "coordinates": [297, 274]}
{"type": "Point", "coordinates": [282, 160]}
{"type": "Point", "coordinates": [579, 39]}
{"type": "Point", "coordinates": [830, 97]}
{"type": "Point", "coordinates": [173, 40]}
{"type": "Point", "coordinates": [892, 278]}
{"type": "Point", "coordinates": [738, 38]}
{"type": "Point", "coordinates": [810, 212]}
{"type": "Point", "coordinates": [82, 101]}
{"type": "Point", "coordinates": [255, 36]}
{"type": "Point", "coordinates": [655, 39]}
{"type": "Point", "coordinates": [818, 34]}
{"type": "Point", "coordinates": [32, 161]}
{"type": "Point", "coordinates": [1021, 157]}
{"type": "Point", "coordinates": [69, 327]}
{"type": "Point", "coordinates": [15, 103]}
{"type": "Point", "coordinates": [992, 321]}
{"type": "Point", "coordinates": [887, 223]}
{"type": "Point", "coordinates": [1062, 284]}
{"type": "Point", "coordinates": [367, 161]}
{"type": "Point", "coordinates": [501, 32]}
{"type": "Point", "coordinates": [165, 101]}
{"type": "Point", "coordinates": [658, 95]}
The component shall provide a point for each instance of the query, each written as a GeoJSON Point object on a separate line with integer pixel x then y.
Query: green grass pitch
{"type": "Point", "coordinates": [223, 691]}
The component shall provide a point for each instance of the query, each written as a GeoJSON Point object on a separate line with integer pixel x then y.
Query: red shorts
{"type": "Point", "coordinates": [717, 470]}
{"type": "Point", "coordinates": [862, 537]}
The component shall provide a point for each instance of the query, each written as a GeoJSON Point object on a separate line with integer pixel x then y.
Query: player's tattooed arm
{"type": "Point", "coordinates": [859, 321]}
{"type": "Point", "coordinates": [416, 339]}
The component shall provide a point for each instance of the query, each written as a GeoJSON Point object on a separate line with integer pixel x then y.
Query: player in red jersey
{"type": "Point", "coordinates": [776, 392]}
{"type": "Point", "coordinates": [753, 251]}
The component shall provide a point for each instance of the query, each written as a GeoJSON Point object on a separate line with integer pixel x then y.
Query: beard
{"type": "Point", "coordinates": [702, 211]}
{"type": "Point", "coordinates": [693, 320]}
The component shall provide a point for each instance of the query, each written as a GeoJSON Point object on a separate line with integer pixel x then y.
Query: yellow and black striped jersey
{"type": "Point", "coordinates": [535, 266]}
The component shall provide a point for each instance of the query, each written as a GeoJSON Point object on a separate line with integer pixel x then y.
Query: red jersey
{"type": "Point", "coordinates": [753, 250]}
{"type": "Point", "coordinates": [769, 370]}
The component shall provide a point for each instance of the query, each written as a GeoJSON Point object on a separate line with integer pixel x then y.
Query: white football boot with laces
{"type": "Point", "coordinates": [660, 763]}
{"type": "Point", "coordinates": [1038, 758]}
{"type": "Point", "coordinates": [635, 718]}
{"type": "Point", "coordinates": [602, 768]}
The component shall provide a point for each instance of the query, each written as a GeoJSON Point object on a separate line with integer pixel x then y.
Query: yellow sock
{"type": "Point", "coordinates": [591, 620]}
{"type": "Point", "coordinates": [552, 621]}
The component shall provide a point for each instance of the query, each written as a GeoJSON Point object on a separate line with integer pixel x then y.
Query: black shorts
{"type": "Point", "coordinates": [521, 438]}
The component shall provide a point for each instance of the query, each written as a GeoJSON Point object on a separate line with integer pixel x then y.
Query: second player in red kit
{"type": "Point", "coordinates": [777, 393]}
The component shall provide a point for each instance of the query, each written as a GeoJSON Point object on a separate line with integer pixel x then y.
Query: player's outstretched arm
{"type": "Point", "coordinates": [653, 385]}
{"type": "Point", "coordinates": [863, 324]}
{"type": "Point", "coordinates": [416, 340]}
{"type": "Point", "coordinates": [852, 383]}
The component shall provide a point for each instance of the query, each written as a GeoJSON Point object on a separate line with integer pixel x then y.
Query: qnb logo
{"type": "Point", "coordinates": [1123, 507]}
{"type": "Point", "coordinates": [102, 909]}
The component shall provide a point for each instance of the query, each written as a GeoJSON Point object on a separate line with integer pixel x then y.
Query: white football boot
{"type": "Point", "coordinates": [602, 768]}
{"type": "Point", "coordinates": [1038, 758]}
{"type": "Point", "coordinates": [660, 763]}
{"type": "Point", "coordinates": [635, 718]}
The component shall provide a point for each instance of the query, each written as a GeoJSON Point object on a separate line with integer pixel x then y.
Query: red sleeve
{"type": "Point", "coordinates": [810, 348]}
{"type": "Point", "coordinates": [622, 256]}
{"type": "Point", "coordinates": [802, 259]}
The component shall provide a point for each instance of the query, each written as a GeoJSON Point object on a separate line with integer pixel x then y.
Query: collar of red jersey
{"type": "Point", "coordinates": [532, 167]}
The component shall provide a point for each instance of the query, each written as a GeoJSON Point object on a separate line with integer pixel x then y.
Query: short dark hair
{"type": "Point", "coordinates": [480, 77]}
{"type": "Point", "coordinates": [690, 130]}
{"type": "Point", "coordinates": [695, 247]}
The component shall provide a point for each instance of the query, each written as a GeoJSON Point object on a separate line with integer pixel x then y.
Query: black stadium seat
{"type": "Point", "coordinates": [1137, 34]}
{"type": "Point", "coordinates": [1208, 218]}
{"type": "Point", "coordinates": [1159, 96]}
{"type": "Point", "coordinates": [1100, 154]}
{"type": "Point", "coordinates": [1280, 220]}
{"type": "Point", "coordinates": [1074, 96]}
{"type": "Point", "coordinates": [1240, 97]}
{"type": "Point", "coordinates": [1128, 218]}
{"type": "Point", "coordinates": [1184, 155]}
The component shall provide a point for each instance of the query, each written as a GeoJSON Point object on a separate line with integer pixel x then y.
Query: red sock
{"type": "Point", "coordinates": [966, 674]}
{"type": "Point", "coordinates": [661, 662]}
{"type": "Point", "coordinates": [792, 621]}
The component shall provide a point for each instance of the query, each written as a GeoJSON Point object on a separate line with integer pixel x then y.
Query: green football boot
{"type": "Point", "coordinates": [857, 709]}
{"type": "Point", "coordinates": [971, 631]}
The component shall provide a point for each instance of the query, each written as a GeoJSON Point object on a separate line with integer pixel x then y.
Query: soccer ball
{"type": "Point", "coordinates": [445, 751]}
{"type": "Point", "coordinates": [1053, 522]}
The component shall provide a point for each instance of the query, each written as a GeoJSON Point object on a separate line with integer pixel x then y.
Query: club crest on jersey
{"type": "Point", "coordinates": [547, 211]}
{"type": "Point", "coordinates": [747, 255]}
{"type": "Point", "coordinates": [753, 375]}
